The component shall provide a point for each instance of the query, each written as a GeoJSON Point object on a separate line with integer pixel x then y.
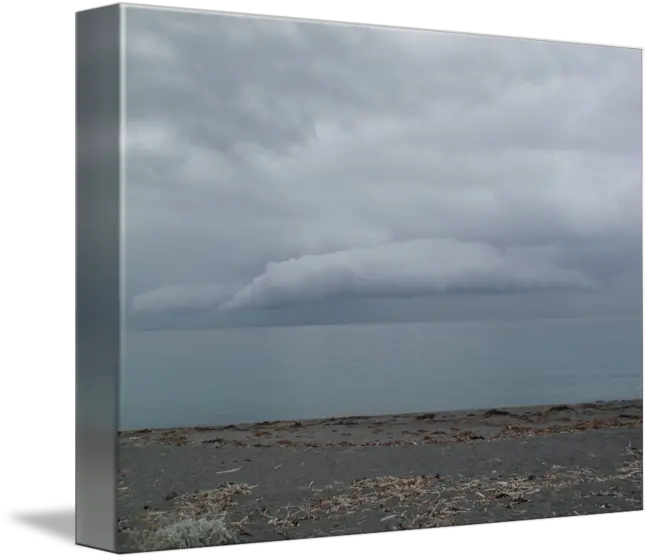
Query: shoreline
{"type": "Point", "coordinates": [481, 423]}
{"type": "Point", "coordinates": [357, 474]}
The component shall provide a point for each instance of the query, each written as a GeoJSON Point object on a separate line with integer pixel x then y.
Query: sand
{"type": "Point", "coordinates": [288, 480]}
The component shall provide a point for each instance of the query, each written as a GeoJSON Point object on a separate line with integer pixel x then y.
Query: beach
{"type": "Point", "coordinates": [359, 474]}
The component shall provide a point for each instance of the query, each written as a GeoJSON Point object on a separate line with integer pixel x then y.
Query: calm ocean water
{"type": "Point", "coordinates": [184, 378]}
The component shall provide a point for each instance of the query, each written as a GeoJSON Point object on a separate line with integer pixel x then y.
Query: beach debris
{"type": "Point", "coordinates": [633, 451]}
{"type": "Point", "coordinates": [347, 421]}
{"type": "Point", "coordinates": [633, 468]}
{"type": "Point", "coordinates": [408, 502]}
{"type": "Point", "coordinates": [459, 497]}
{"type": "Point", "coordinates": [210, 502]}
{"type": "Point", "coordinates": [266, 423]}
{"type": "Point", "coordinates": [218, 442]}
{"type": "Point", "coordinates": [427, 416]}
{"type": "Point", "coordinates": [558, 408]}
{"type": "Point", "coordinates": [284, 442]}
{"type": "Point", "coordinates": [173, 438]}
{"type": "Point", "coordinates": [229, 471]}
{"type": "Point", "coordinates": [438, 437]}
{"type": "Point", "coordinates": [496, 412]}
{"type": "Point", "coordinates": [529, 423]}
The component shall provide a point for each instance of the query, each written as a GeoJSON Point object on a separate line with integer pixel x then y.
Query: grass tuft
{"type": "Point", "coordinates": [201, 532]}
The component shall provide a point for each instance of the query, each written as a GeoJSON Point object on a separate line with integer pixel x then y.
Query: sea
{"type": "Point", "coordinates": [175, 378]}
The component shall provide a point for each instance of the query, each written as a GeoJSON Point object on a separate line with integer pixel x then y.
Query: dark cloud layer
{"type": "Point", "coordinates": [282, 163]}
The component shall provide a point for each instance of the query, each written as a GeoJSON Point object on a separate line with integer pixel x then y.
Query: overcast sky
{"type": "Point", "coordinates": [294, 172]}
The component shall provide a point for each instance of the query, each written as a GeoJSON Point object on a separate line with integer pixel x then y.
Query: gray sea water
{"type": "Point", "coordinates": [211, 377]}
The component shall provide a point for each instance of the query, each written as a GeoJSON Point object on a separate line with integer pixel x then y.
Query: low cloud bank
{"type": "Point", "coordinates": [175, 297]}
{"type": "Point", "coordinates": [414, 268]}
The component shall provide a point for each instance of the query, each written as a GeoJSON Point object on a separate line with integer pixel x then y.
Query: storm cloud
{"type": "Point", "coordinates": [414, 268]}
{"type": "Point", "coordinates": [276, 163]}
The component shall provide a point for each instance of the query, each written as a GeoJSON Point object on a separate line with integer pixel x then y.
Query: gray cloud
{"type": "Point", "coordinates": [252, 141]}
{"type": "Point", "coordinates": [183, 296]}
{"type": "Point", "coordinates": [414, 268]}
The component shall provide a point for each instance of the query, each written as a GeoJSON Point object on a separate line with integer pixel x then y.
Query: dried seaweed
{"type": "Point", "coordinates": [400, 503]}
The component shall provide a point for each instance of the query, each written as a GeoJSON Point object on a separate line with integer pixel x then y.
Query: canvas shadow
{"type": "Point", "coordinates": [59, 523]}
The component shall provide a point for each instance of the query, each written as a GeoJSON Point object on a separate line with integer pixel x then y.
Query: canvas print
{"type": "Point", "coordinates": [374, 279]}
